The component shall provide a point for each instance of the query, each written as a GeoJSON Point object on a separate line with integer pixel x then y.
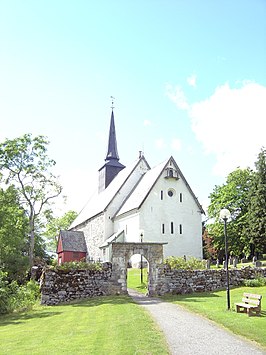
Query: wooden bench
{"type": "Point", "coordinates": [251, 304]}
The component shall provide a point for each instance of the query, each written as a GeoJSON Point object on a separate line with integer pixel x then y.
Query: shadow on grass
{"type": "Point", "coordinates": [99, 301]}
{"type": "Point", "coordinates": [19, 318]}
{"type": "Point", "coordinates": [22, 317]}
{"type": "Point", "coordinates": [192, 297]}
{"type": "Point", "coordinates": [263, 313]}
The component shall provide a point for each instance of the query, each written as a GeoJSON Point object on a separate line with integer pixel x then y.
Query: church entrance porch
{"type": "Point", "coordinates": [121, 254]}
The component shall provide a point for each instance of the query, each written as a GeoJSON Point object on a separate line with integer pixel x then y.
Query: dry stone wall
{"type": "Point", "coordinates": [59, 286]}
{"type": "Point", "coordinates": [64, 286]}
{"type": "Point", "coordinates": [186, 281]}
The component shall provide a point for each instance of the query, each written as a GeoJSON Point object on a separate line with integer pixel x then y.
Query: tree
{"type": "Point", "coordinates": [257, 207]}
{"type": "Point", "coordinates": [234, 195]}
{"type": "Point", "coordinates": [55, 225]}
{"type": "Point", "coordinates": [25, 163]}
{"type": "Point", "coordinates": [13, 235]}
{"type": "Point", "coordinates": [209, 251]}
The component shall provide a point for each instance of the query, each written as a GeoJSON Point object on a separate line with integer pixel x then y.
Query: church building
{"type": "Point", "coordinates": [137, 203]}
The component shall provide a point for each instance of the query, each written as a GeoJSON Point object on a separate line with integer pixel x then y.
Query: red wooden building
{"type": "Point", "coordinates": [71, 246]}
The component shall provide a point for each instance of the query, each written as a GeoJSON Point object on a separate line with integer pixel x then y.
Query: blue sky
{"type": "Point", "coordinates": [188, 77]}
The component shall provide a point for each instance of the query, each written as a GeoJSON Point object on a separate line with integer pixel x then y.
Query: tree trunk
{"type": "Point", "coordinates": [31, 244]}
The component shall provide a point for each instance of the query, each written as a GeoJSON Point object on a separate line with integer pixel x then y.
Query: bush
{"type": "Point", "coordinates": [16, 298]}
{"type": "Point", "coordinates": [77, 265]}
{"type": "Point", "coordinates": [4, 293]}
{"type": "Point", "coordinates": [180, 263]}
{"type": "Point", "coordinates": [259, 281]}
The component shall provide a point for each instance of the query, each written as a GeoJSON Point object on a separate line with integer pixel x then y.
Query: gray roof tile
{"type": "Point", "coordinates": [73, 241]}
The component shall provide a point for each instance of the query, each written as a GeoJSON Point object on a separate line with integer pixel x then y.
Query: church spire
{"type": "Point", "coordinates": [112, 166]}
{"type": "Point", "coordinates": [112, 152]}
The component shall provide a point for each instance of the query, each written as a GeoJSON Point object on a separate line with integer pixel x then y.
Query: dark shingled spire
{"type": "Point", "coordinates": [112, 166]}
{"type": "Point", "coordinates": [112, 152]}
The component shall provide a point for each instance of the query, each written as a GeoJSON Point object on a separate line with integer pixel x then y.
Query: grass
{"type": "Point", "coordinates": [133, 279]}
{"type": "Point", "coordinates": [214, 306]}
{"type": "Point", "coordinates": [101, 325]}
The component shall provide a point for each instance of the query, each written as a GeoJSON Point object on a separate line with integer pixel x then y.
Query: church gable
{"type": "Point", "coordinates": [171, 170]}
{"type": "Point", "coordinates": [167, 170]}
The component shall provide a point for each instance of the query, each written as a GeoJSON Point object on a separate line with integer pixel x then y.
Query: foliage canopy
{"type": "Point", "coordinates": [25, 164]}
{"type": "Point", "coordinates": [244, 194]}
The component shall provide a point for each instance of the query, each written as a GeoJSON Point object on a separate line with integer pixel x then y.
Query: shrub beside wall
{"type": "Point", "coordinates": [14, 297]}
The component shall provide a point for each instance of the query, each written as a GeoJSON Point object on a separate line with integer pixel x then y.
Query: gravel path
{"type": "Point", "coordinates": [190, 334]}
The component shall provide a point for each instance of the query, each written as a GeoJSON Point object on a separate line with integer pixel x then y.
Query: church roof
{"type": "Point", "coordinates": [143, 188]}
{"type": "Point", "coordinates": [139, 195]}
{"type": "Point", "coordinates": [73, 241]}
{"type": "Point", "coordinates": [100, 201]}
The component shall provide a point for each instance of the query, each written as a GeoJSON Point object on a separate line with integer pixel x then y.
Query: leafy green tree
{"type": "Point", "coordinates": [13, 235]}
{"type": "Point", "coordinates": [54, 226]}
{"type": "Point", "coordinates": [257, 207]}
{"type": "Point", "coordinates": [234, 195]}
{"type": "Point", "coordinates": [24, 162]}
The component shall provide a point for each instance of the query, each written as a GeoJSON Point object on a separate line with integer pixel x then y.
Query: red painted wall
{"type": "Point", "coordinates": [66, 256]}
{"type": "Point", "coordinates": [59, 246]}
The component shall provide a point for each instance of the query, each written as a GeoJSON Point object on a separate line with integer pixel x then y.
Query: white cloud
{"type": "Point", "coordinates": [191, 80]}
{"type": "Point", "coordinates": [160, 143]}
{"type": "Point", "coordinates": [177, 95]}
{"type": "Point", "coordinates": [176, 144]}
{"type": "Point", "coordinates": [79, 185]}
{"type": "Point", "coordinates": [146, 123]}
{"type": "Point", "coordinates": [231, 124]}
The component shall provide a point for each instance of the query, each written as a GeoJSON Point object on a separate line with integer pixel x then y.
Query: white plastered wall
{"type": "Point", "coordinates": [160, 209]}
{"type": "Point", "coordinates": [183, 212]}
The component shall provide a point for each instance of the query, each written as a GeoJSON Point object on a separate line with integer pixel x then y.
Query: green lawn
{"type": "Point", "coordinates": [213, 305]}
{"type": "Point", "coordinates": [133, 280]}
{"type": "Point", "coordinates": [102, 325]}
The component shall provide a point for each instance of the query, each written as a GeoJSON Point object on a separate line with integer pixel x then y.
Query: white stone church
{"type": "Point", "coordinates": [138, 203]}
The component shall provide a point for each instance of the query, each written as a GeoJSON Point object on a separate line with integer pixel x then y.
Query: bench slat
{"type": "Point", "coordinates": [248, 300]}
{"type": "Point", "coordinates": [252, 295]}
{"type": "Point", "coordinates": [245, 305]}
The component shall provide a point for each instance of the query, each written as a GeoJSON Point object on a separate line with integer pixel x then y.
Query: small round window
{"type": "Point", "coordinates": [171, 192]}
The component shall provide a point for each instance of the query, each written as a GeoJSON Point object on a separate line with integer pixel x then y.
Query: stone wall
{"type": "Point", "coordinates": [93, 230]}
{"type": "Point", "coordinates": [59, 286]}
{"type": "Point", "coordinates": [185, 281]}
{"type": "Point", "coordinates": [64, 286]}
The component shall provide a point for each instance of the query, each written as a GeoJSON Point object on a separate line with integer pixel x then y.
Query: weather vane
{"type": "Point", "coordinates": [112, 102]}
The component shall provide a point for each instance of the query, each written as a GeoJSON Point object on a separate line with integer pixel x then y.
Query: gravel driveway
{"type": "Point", "coordinates": [190, 334]}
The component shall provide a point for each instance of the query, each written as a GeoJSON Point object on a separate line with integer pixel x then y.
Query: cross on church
{"type": "Point", "coordinates": [112, 107]}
